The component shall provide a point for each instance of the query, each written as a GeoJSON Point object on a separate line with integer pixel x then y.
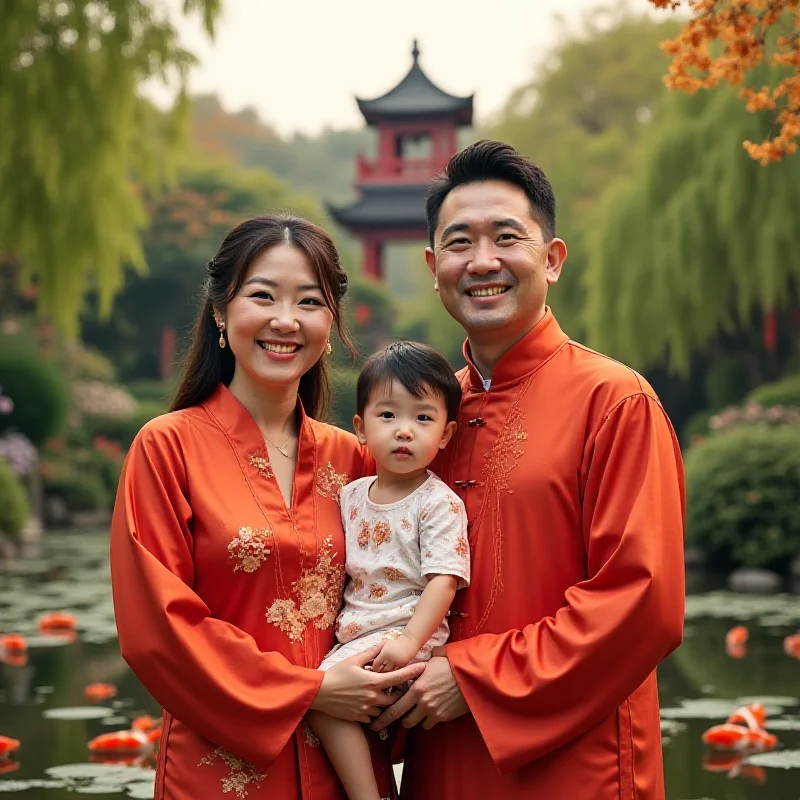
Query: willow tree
{"type": "Point", "coordinates": [581, 117]}
{"type": "Point", "coordinates": [694, 239]}
{"type": "Point", "coordinates": [80, 144]}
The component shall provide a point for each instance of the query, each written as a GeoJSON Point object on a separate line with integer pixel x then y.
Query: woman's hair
{"type": "Point", "coordinates": [207, 364]}
{"type": "Point", "coordinates": [419, 368]}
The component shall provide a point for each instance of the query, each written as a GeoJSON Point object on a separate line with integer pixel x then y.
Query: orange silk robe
{"type": "Point", "coordinates": [225, 601]}
{"type": "Point", "coordinates": [573, 483]}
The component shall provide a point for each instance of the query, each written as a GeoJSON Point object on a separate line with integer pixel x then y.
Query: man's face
{"type": "Point", "coordinates": [490, 260]}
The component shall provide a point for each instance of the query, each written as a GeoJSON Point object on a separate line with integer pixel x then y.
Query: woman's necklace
{"type": "Point", "coordinates": [279, 448]}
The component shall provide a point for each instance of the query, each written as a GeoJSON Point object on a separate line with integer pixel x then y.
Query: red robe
{"type": "Point", "coordinates": [573, 483]}
{"type": "Point", "coordinates": [225, 600]}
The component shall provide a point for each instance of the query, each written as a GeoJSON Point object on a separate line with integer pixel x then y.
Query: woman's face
{"type": "Point", "coordinates": [278, 325]}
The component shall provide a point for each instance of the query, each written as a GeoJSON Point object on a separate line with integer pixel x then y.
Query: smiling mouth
{"type": "Point", "coordinates": [488, 291]}
{"type": "Point", "coordinates": [283, 349]}
{"type": "Point", "coordinates": [402, 451]}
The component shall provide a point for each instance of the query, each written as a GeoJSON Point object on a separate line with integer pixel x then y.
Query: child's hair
{"type": "Point", "coordinates": [418, 367]}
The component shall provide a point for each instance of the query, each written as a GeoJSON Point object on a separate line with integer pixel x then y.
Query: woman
{"type": "Point", "coordinates": [227, 548]}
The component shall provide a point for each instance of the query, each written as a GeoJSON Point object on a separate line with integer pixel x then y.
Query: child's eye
{"type": "Point", "coordinates": [386, 415]}
{"type": "Point", "coordinates": [425, 418]}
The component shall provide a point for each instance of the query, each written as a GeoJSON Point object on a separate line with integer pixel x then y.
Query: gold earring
{"type": "Point", "coordinates": [222, 338]}
{"type": "Point", "coordinates": [328, 348]}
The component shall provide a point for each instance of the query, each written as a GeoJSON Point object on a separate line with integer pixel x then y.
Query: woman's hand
{"type": "Point", "coordinates": [353, 693]}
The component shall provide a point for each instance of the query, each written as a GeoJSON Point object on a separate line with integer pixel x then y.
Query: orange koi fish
{"type": "Point", "coordinates": [100, 691]}
{"type": "Point", "coordinates": [738, 737]}
{"type": "Point", "coordinates": [754, 716]}
{"type": "Point", "coordinates": [14, 659]}
{"type": "Point", "coordinates": [120, 742]}
{"type": "Point", "coordinates": [8, 746]}
{"type": "Point", "coordinates": [145, 723]}
{"type": "Point", "coordinates": [13, 643]}
{"type": "Point", "coordinates": [57, 621]}
{"type": "Point", "coordinates": [7, 765]}
{"type": "Point", "coordinates": [791, 645]}
{"type": "Point", "coordinates": [731, 763]}
{"type": "Point", "coordinates": [736, 642]}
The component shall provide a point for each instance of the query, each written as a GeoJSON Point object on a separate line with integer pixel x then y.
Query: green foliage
{"type": "Point", "coordinates": [79, 134]}
{"type": "Point", "coordinates": [151, 391]}
{"type": "Point", "coordinates": [694, 237]}
{"type": "Point", "coordinates": [343, 388]}
{"type": "Point", "coordinates": [122, 430]}
{"type": "Point", "coordinates": [14, 508]}
{"type": "Point", "coordinates": [742, 490]}
{"type": "Point", "coordinates": [79, 491]}
{"type": "Point", "coordinates": [726, 381]}
{"type": "Point", "coordinates": [39, 392]}
{"type": "Point", "coordinates": [785, 392]}
{"type": "Point", "coordinates": [581, 118]}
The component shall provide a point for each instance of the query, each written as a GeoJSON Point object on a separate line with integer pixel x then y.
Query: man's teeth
{"type": "Point", "coordinates": [487, 292]}
{"type": "Point", "coordinates": [278, 348]}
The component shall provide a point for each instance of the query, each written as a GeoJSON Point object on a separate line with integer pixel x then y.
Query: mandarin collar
{"type": "Point", "coordinates": [242, 429]}
{"type": "Point", "coordinates": [542, 342]}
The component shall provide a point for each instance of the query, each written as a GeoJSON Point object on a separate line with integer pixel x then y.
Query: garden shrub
{"type": "Point", "coordinates": [80, 491]}
{"type": "Point", "coordinates": [785, 392]}
{"type": "Point", "coordinates": [14, 508]}
{"type": "Point", "coordinates": [343, 397]}
{"type": "Point", "coordinates": [121, 430]}
{"type": "Point", "coordinates": [743, 496]}
{"type": "Point", "coordinates": [39, 392]}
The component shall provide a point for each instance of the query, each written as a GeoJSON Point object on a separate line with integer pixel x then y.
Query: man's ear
{"type": "Point", "coordinates": [449, 430]}
{"type": "Point", "coordinates": [556, 256]}
{"type": "Point", "coordinates": [358, 425]}
{"type": "Point", "coordinates": [430, 260]}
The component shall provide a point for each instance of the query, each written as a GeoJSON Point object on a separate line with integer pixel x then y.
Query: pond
{"type": "Point", "coordinates": [42, 702]}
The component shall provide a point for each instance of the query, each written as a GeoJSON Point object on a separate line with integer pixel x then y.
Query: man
{"type": "Point", "coordinates": [573, 483]}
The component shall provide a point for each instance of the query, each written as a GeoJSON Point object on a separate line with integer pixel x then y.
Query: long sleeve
{"type": "Point", "coordinates": [206, 672]}
{"type": "Point", "coordinates": [531, 691]}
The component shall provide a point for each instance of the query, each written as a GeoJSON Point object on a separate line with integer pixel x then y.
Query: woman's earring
{"type": "Point", "coordinates": [328, 348]}
{"type": "Point", "coordinates": [222, 338]}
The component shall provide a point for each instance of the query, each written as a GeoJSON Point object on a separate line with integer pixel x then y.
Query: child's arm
{"type": "Point", "coordinates": [433, 605]}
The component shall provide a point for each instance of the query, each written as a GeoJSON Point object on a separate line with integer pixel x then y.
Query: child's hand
{"type": "Point", "coordinates": [395, 654]}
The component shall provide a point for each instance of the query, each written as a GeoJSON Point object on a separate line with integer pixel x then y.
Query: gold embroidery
{"type": "Point", "coordinates": [311, 738]}
{"type": "Point", "coordinates": [317, 595]}
{"type": "Point", "coordinates": [250, 549]}
{"type": "Point", "coordinates": [260, 461]}
{"type": "Point", "coordinates": [505, 451]}
{"type": "Point", "coordinates": [242, 773]}
{"type": "Point", "coordinates": [353, 513]}
{"type": "Point", "coordinates": [393, 574]}
{"type": "Point", "coordinates": [363, 535]}
{"type": "Point", "coordinates": [330, 482]}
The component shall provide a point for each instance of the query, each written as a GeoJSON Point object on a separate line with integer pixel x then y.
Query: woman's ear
{"type": "Point", "coordinates": [449, 430]}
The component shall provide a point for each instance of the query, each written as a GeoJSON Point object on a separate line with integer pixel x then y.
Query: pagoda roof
{"type": "Point", "coordinates": [415, 97]}
{"type": "Point", "coordinates": [384, 206]}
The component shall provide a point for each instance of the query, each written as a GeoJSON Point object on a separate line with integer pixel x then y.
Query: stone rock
{"type": "Point", "coordinates": [754, 580]}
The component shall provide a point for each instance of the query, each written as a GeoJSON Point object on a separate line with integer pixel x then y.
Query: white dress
{"type": "Point", "coordinates": [391, 550]}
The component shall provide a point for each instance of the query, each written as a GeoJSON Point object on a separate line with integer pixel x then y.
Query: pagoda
{"type": "Point", "coordinates": [416, 123]}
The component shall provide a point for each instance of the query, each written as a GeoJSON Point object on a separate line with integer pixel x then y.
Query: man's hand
{"type": "Point", "coordinates": [433, 697]}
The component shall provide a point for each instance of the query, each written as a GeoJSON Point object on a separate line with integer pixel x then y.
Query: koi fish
{"type": "Point", "coordinates": [7, 765]}
{"type": "Point", "coordinates": [122, 742]}
{"type": "Point", "coordinates": [8, 746]}
{"type": "Point", "coordinates": [14, 659]}
{"type": "Point", "coordinates": [13, 643]}
{"type": "Point", "coordinates": [145, 723]}
{"type": "Point", "coordinates": [736, 642]}
{"type": "Point", "coordinates": [791, 645]}
{"type": "Point", "coordinates": [754, 716]}
{"type": "Point", "coordinates": [731, 763]}
{"type": "Point", "coordinates": [57, 621]}
{"type": "Point", "coordinates": [738, 737]}
{"type": "Point", "coordinates": [100, 691]}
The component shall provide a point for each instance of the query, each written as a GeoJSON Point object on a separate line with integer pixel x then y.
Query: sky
{"type": "Point", "coordinates": [299, 63]}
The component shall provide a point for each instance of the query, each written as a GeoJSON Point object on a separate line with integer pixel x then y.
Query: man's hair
{"type": "Point", "coordinates": [493, 161]}
{"type": "Point", "coordinates": [419, 368]}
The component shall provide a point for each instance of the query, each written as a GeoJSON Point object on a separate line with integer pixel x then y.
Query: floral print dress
{"type": "Point", "coordinates": [391, 551]}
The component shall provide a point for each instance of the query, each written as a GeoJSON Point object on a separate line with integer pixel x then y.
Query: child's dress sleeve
{"type": "Point", "coordinates": [443, 543]}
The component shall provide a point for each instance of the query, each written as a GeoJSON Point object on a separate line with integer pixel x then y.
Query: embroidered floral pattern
{"type": "Point", "coordinates": [242, 773]}
{"type": "Point", "coordinates": [316, 597]}
{"type": "Point", "coordinates": [462, 547]}
{"type": "Point", "coordinates": [363, 535]}
{"type": "Point", "coordinates": [405, 524]}
{"type": "Point", "coordinates": [358, 584]}
{"type": "Point", "coordinates": [455, 507]}
{"type": "Point", "coordinates": [393, 574]}
{"type": "Point", "coordinates": [260, 461]}
{"type": "Point", "coordinates": [350, 631]}
{"type": "Point", "coordinates": [330, 482]}
{"type": "Point", "coordinates": [250, 548]}
{"type": "Point", "coordinates": [376, 591]}
{"type": "Point", "coordinates": [353, 513]}
{"type": "Point", "coordinates": [381, 533]}
{"type": "Point", "coordinates": [312, 740]}
{"type": "Point", "coordinates": [505, 451]}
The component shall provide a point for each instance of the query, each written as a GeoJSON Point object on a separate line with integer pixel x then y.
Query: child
{"type": "Point", "coordinates": [406, 535]}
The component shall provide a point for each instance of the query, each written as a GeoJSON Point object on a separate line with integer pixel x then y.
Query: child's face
{"type": "Point", "coordinates": [404, 433]}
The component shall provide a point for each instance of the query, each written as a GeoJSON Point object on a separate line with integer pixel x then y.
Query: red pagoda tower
{"type": "Point", "coordinates": [415, 116]}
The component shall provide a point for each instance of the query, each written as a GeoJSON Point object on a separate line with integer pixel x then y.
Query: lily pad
{"type": "Point", "coordinates": [700, 708]}
{"type": "Point", "coordinates": [779, 759]}
{"type": "Point", "coordinates": [767, 701]}
{"type": "Point", "coordinates": [78, 712]}
{"type": "Point", "coordinates": [783, 725]}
